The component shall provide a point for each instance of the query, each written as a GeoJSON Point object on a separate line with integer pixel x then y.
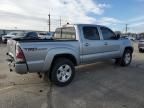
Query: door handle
{"type": "Point", "coordinates": [105, 43]}
{"type": "Point", "coordinates": [86, 44]}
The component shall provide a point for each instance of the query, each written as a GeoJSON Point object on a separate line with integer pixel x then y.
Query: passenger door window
{"type": "Point", "coordinates": [107, 34]}
{"type": "Point", "coordinates": [91, 33]}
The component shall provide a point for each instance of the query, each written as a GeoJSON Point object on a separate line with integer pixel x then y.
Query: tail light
{"type": "Point", "coordinates": [19, 54]}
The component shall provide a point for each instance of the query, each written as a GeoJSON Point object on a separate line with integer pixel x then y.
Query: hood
{"type": "Point", "coordinates": [8, 36]}
{"type": "Point", "coordinates": [18, 36]}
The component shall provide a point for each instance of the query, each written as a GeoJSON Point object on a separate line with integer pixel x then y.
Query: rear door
{"type": "Point", "coordinates": [111, 46]}
{"type": "Point", "coordinates": [91, 45]}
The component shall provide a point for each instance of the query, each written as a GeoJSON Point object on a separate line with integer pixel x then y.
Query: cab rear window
{"type": "Point", "coordinates": [67, 33]}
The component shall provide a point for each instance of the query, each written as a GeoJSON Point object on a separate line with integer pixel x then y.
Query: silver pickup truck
{"type": "Point", "coordinates": [72, 45]}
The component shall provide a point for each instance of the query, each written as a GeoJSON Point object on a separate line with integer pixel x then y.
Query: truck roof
{"type": "Point", "coordinates": [72, 25]}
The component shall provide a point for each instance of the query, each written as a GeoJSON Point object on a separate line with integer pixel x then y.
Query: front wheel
{"type": "Point", "coordinates": [63, 72]}
{"type": "Point", "coordinates": [126, 58]}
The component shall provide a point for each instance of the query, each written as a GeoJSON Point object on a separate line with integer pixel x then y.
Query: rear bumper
{"type": "Point", "coordinates": [141, 45]}
{"type": "Point", "coordinates": [20, 68]}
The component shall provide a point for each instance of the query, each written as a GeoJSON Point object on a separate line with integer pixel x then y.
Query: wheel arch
{"type": "Point", "coordinates": [129, 48]}
{"type": "Point", "coordinates": [67, 56]}
{"type": "Point", "coordinates": [53, 54]}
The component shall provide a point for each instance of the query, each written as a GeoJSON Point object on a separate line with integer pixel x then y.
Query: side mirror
{"type": "Point", "coordinates": [117, 36]}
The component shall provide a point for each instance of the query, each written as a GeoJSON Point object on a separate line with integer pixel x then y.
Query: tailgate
{"type": "Point", "coordinates": [11, 45]}
{"type": "Point", "coordinates": [14, 64]}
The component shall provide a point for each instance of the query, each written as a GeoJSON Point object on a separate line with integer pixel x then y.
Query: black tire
{"type": "Point", "coordinates": [123, 61]}
{"type": "Point", "coordinates": [140, 50]}
{"type": "Point", "coordinates": [117, 60]}
{"type": "Point", "coordinates": [62, 63]}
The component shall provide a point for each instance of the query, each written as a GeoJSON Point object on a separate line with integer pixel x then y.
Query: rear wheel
{"type": "Point", "coordinates": [63, 72]}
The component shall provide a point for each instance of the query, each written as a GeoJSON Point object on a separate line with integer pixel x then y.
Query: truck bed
{"type": "Point", "coordinates": [36, 51]}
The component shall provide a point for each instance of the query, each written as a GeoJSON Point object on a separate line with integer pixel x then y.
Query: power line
{"type": "Point", "coordinates": [60, 21]}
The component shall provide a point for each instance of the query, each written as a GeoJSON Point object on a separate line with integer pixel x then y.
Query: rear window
{"type": "Point", "coordinates": [67, 33]}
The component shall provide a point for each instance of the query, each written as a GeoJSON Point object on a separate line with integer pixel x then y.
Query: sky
{"type": "Point", "coordinates": [33, 14]}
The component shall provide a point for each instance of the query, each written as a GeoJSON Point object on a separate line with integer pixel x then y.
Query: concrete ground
{"type": "Point", "coordinates": [100, 85]}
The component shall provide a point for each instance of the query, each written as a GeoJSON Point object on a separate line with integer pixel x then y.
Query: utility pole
{"type": "Point", "coordinates": [60, 21]}
{"type": "Point", "coordinates": [49, 22]}
{"type": "Point", "coordinates": [126, 29]}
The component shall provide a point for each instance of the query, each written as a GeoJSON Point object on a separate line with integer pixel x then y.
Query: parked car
{"type": "Point", "coordinates": [141, 45]}
{"type": "Point", "coordinates": [130, 38]}
{"type": "Point", "coordinates": [46, 35]}
{"type": "Point", "coordinates": [9, 35]}
{"type": "Point", "coordinates": [26, 35]}
{"type": "Point", "coordinates": [1, 37]}
{"type": "Point", "coordinates": [71, 46]}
